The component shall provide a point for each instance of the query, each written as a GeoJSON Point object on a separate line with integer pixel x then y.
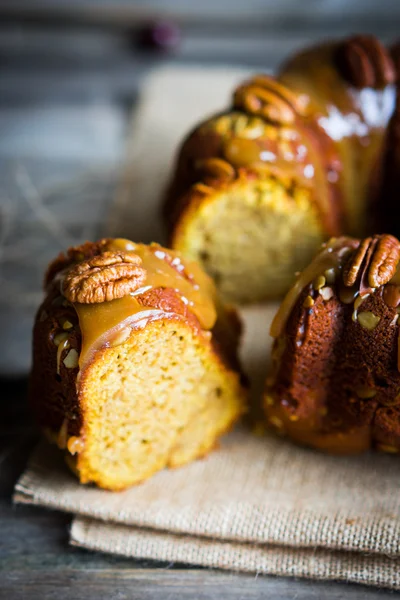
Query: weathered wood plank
{"type": "Point", "coordinates": [163, 584]}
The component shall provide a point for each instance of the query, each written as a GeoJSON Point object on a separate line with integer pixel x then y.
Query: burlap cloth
{"type": "Point", "coordinates": [257, 504]}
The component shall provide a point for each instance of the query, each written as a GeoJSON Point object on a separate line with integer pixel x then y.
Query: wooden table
{"type": "Point", "coordinates": [66, 70]}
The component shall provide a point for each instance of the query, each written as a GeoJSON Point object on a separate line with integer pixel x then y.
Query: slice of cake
{"type": "Point", "coordinates": [134, 362]}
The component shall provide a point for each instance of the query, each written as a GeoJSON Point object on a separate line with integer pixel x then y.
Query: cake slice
{"type": "Point", "coordinates": [134, 362]}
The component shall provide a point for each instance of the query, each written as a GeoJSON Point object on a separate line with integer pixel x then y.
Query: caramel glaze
{"type": "Point", "coordinates": [104, 324]}
{"type": "Point", "coordinates": [328, 139]}
{"type": "Point", "coordinates": [294, 155]}
{"type": "Point", "coordinates": [316, 424]}
{"type": "Point", "coordinates": [330, 257]}
{"type": "Point", "coordinates": [354, 120]}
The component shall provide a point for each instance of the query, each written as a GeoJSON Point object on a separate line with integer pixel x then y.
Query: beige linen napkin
{"type": "Point", "coordinates": [257, 504]}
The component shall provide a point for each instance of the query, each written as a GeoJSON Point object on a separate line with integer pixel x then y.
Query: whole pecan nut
{"type": "Point", "coordinates": [103, 278]}
{"type": "Point", "coordinates": [216, 168]}
{"type": "Point", "coordinates": [384, 261]}
{"type": "Point", "coordinates": [365, 62]}
{"type": "Point", "coordinates": [265, 97]}
{"type": "Point", "coordinates": [376, 259]}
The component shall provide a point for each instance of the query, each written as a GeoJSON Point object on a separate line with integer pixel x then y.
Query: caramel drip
{"type": "Point", "coordinates": [287, 160]}
{"type": "Point", "coordinates": [75, 445]}
{"type": "Point", "coordinates": [290, 155]}
{"type": "Point", "coordinates": [391, 295]}
{"type": "Point", "coordinates": [101, 323]}
{"type": "Point", "coordinates": [60, 349]}
{"type": "Point", "coordinates": [330, 257]}
{"type": "Point", "coordinates": [195, 288]}
{"type": "Point", "coordinates": [354, 120]}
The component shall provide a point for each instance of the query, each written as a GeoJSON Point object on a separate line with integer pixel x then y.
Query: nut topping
{"type": "Point", "coordinates": [103, 278]}
{"type": "Point", "coordinates": [267, 98]}
{"type": "Point", "coordinates": [384, 261]}
{"type": "Point", "coordinates": [368, 320]}
{"type": "Point", "coordinates": [377, 258]}
{"type": "Point", "coordinates": [216, 168]}
{"type": "Point", "coordinates": [365, 62]}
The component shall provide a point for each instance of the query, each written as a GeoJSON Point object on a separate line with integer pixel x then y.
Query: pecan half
{"type": "Point", "coordinates": [375, 259]}
{"type": "Point", "coordinates": [365, 62]}
{"type": "Point", "coordinates": [103, 278]}
{"type": "Point", "coordinates": [353, 265]}
{"type": "Point", "coordinates": [267, 98]}
{"type": "Point", "coordinates": [384, 261]}
{"type": "Point", "coordinates": [215, 168]}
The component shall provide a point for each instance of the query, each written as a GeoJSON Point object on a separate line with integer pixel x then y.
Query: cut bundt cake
{"type": "Point", "coordinates": [335, 377]}
{"type": "Point", "coordinates": [257, 188]}
{"type": "Point", "coordinates": [134, 361]}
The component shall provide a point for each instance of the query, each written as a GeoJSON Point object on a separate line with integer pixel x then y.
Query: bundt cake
{"type": "Point", "coordinates": [134, 361]}
{"type": "Point", "coordinates": [257, 188]}
{"type": "Point", "coordinates": [335, 377]}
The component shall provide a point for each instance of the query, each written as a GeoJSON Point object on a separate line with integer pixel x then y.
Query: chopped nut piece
{"type": "Point", "coordinates": [71, 361]}
{"type": "Point", "coordinates": [368, 320]}
{"type": "Point", "coordinates": [326, 293]}
{"type": "Point", "coordinates": [308, 302]}
{"type": "Point", "coordinates": [60, 337]}
{"type": "Point", "coordinates": [359, 300]}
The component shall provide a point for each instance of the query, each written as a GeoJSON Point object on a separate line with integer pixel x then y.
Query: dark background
{"type": "Point", "coordinates": [70, 74]}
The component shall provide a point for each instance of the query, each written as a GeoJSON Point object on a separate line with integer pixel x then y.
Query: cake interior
{"type": "Point", "coordinates": [247, 230]}
{"type": "Point", "coordinates": [159, 399]}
